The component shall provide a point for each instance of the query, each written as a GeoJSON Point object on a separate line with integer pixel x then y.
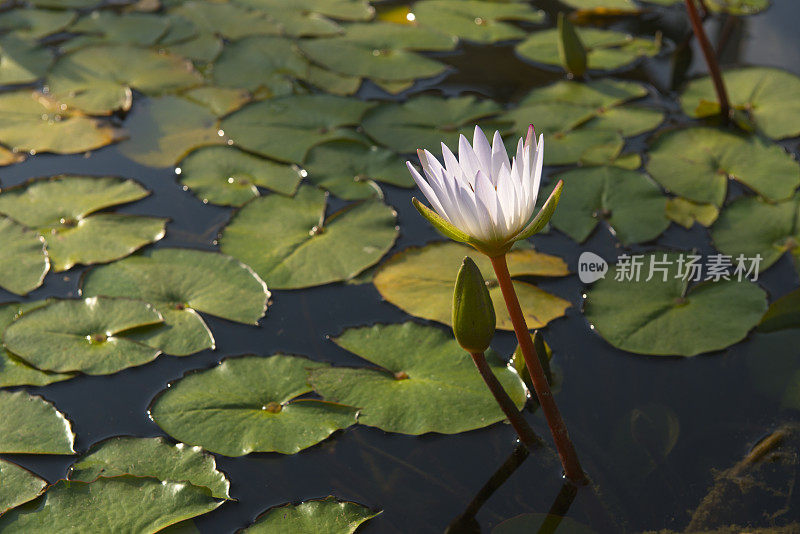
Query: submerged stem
{"type": "Point", "coordinates": [566, 451]}
{"type": "Point", "coordinates": [711, 59]}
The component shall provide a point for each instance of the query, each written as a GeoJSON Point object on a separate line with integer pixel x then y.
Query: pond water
{"type": "Point", "coordinates": [423, 483]}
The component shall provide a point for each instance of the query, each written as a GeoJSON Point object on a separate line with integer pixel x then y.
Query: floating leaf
{"type": "Point", "coordinates": [605, 49]}
{"type": "Point", "coordinates": [696, 163]}
{"type": "Point", "coordinates": [23, 259]}
{"type": "Point", "coordinates": [286, 128]}
{"type": "Point", "coordinates": [99, 79]}
{"type": "Point", "coordinates": [668, 318]}
{"type": "Point", "coordinates": [329, 515]}
{"type": "Point", "coordinates": [220, 100]}
{"type": "Point", "coordinates": [227, 176]}
{"type": "Point", "coordinates": [752, 227]}
{"type": "Point", "coordinates": [180, 283]}
{"type": "Point", "coordinates": [476, 20]}
{"type": "Point", "coordinates": [426, 121]}
{"type": "Point", "coordinates": [420, 281]}
{"type": "Point", "coordinates": [87, 335]}
{"type": "Point", "coordinates": [35, 23]}
{"type": "Point", "coordinates": [165, 129]}
{"type": "Point", "coordinates": [108, 27]}
{"type": "Point", "coordinates": [122, 504]}
{"type": "Point", "coordinates": [686, 213]}
{"type": "Point", "coordinates": [783, 313]}
{"type": "Point", "coordinates": [622, 5]}
{"type": "Point", "coordinates": [151, 457]}
{"type": "Point", "coordinates": [766, 95]}
{"type": "Point", "coordinates": [349, 169]}
{"type": "Point", "coordinates": [248, 404]}
{"type": "Point", "coordinates": [33, 122]}
{"type": "Point", "coordinates": [308, 17]}
{"type": "Point", "coordinates": [733, 7]}
{"type": "Point", "coordinates": [228, 20]}
{"type": "Point", "coordinates": [425, 381]}
{"type": "Point", "coordinates": [18, 485]}
{"type": "Point", "coordinates": [31, 425]}
{"type": "Point", "coordinates": [62, 210]}
{"type": "Point", "coordinates": [291, 244]}
{"type": "Point", "coordinates": [24, 61]}
{"type": "Point", "coordinates": [631, 204]}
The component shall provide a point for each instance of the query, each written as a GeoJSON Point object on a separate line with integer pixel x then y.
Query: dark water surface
{"type": "Point", "coordinates": [423, 483]}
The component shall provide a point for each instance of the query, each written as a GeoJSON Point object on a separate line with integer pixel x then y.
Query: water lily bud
{"type": "Point", "coordinates": [473, 312]}
{"type": "Point", "coordinates": [570, 48]}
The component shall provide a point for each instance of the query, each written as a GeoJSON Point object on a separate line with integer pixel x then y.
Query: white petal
{"type": "Point", "coordinates": [467, 159]}
{"type": "Point", "coordinates": [484, 153]}
{"type": "Point", "coordinates": [427, 191]}
{"type": "Point", "coordinates": [499, 157]}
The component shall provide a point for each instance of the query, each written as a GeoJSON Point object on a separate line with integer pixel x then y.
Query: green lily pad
{"type": "Point", "coordinates": [203, 48]}
{"type": "Point", "coordinates": [479, 21]}
{"type": "Point", "coordinates": [605, 49]}
{"type": "Point", "coordinates": [87, 335]}
{"type": "Point", "coordinates": [33, 122]}
{"type": "Point", "coordinates": [329, 516]}
{"type": "Point", "coordinates": [420, 282]}
{"type": "Point", "coordinates": [425, 121]}
{"type": "Point", "coordinates": [18, 485]}
{"type": "Point", "coordinates": [64, 4]}
{"type": "Point", "coordinates": [751, 226]}
{"type": "Point", "coordinates": [425, 382]}
{"type": "Point", "coordinates": [286, 128]}
{"type": "Point", "coordinates": [62, 209]}
{"type": "Point", "coordinates": [733, 7]}
{"type": "Point", "coordinates": [151, 457]}
{"type": "Point", "coordinates": [228, 20]}
{"type": "Point", "coordinates": [767, 95]}
{"type": "Point", "coordinates": [668, 318]}
{"type": "Point", "coordinates": [24, 61]}
{"type": "Point", "coordinates": [291, 244]}
{"type": "Point", "coordinates": [99, 79]}
{"type": "Point", "coordinates": [13, 371]}
{"type": "Point", "coordinates": [301, 18]}
{"type": "Point", "coordinates": [164, 129]}
{"type": "Point", "coordinates": [349, 169]}
{"type": "Point", "coordinates": [627, 201]}
{"type": "Point", "coordinates": [117, 504]}
{"type": "Point", "coordinates": [227, 176]}
{"type": "Point", "coordinates": [696, 163]}
{"type": "Point", "coordinates": [381, 51]}
{"type": "Point", "coordinates": [248, 404]}
{"type": "Point", "coordinates": [624, 5]}
{"type": "Point", "coordinates": [180, 283]}
{"type": "Point", "coordinates": [782, 314]}
{"type": "Point", "coordinates": [35, 23]}
{"type": "Point", "coordinates": [108, 27]}
{"type": "Point", "coordinates": [23, 258]}
{"type": "Point", "coordinates": [31, 425]}
{"type": "Point", "coordinates": [220, 100]}
{"type": "Point", "coordinates": [686, 213]}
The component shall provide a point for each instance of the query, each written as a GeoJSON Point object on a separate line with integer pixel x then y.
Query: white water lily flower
{"type": "Point", "coordinates": [482, 198]}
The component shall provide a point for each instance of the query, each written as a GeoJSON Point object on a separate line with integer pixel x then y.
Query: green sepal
{"type": "Point", "coordinates": [474, 320]}
{"type": "Point", "coordinates": [543, 217]}
{"type": "Point", "coordinates": [570, 48]}
{"type": "Point", "coordinates": [441, 225]}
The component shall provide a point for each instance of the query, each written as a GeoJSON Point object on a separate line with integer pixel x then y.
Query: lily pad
{"type": "Point", "coordinates": [765, 94]}
{"type": "Point", "coordinates": [164, 129]}
{"type": "Point", "coordinates": [349, 169]}
{"type": "Point", "coordinates": [286, 128]}
{"type": "Point", "coordinates": [23, 258]}
{"type": "Point", "coordinates": [180, 283]}
{"type": "Point", "coordinates": [62, 209]}
{"type": "Point", "coordinates": [782, 314]}
{"type": "Point", "coordinates": [733, 7]}
{"type": "Point", "coordinates": [108, 27]}
{"type": "Point", "coordinates": [479, 21]}
{"type": "Point", "coordinates": [627, 201]}
{"type": "Point", "coordinates": [18, 485]}
{"type": "Point", "coordinates": [291, 244]}
{"type": "Point", "coordinates": [118, 504]}
{"type": "Point", "coordinates": [230, 177]}
{"type": "Point", "coordinates": [420, 282]}
{"type": "Point", "coordinates": [99, 79]}
{"type": "Point", "coordinates": [686, 213]}
{"type": "Point", "coordinates": [24, 61]}
{"type": "Point", "coordinates": [301, 18]}
{"type": "Point", "coordinates": [220, 100]}
{"type": "Point", "coordinates": [751, 227]}
{"type": "Point", "coordinates": [228, 20]}
{"type": "Point", "coordinates": [605, 49]}
{"type": "Point", "coordinates": [31, 425]}
{"type": "Point", "coordinates": [33, 122]}
{"type": "Point", "coordinates": [329, 516]}
{"type": "Point", "coordinates": [425, 382]}
{"type": "Point", "coordinates": [151, 457]}
{"type": "Point", "coordinates": [696, 163]}
{"type": "Point", "coordinates": [669, 318]}
{"type": "Point", "coordinates": [35, 23]}
{"type": "Point", "coordinates": [426, 121]}
{"type": "Point", "coordinates": [87, 335]}
{"type": "Point", "coordinates": [248, 404]}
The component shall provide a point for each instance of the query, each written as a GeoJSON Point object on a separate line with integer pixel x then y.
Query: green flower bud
{"type": "Point", "coordinates": [473, 312]}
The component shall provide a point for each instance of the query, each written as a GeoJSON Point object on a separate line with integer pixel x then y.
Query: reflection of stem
{"type": "Point", "coordinates": [523, 429]}
{"type": "Point", "coordinates": [566, 451]}
{"type": "Point", "coordinates": [711, 59]}
{"type": "Point", "coordinates": [558, 509]}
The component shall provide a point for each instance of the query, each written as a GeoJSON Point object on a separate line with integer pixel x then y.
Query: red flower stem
{"type": "Point", "coordinates": [526, 434]}
{"type": "Point", "coordinates": [711, 59]}
{"type": "Point", "coordinates": [566, 451]}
